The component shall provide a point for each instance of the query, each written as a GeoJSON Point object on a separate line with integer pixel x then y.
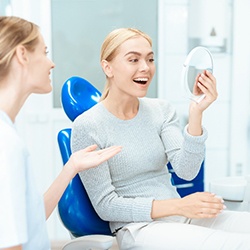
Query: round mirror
{"type": "Point", "coordinates": [198, 60]}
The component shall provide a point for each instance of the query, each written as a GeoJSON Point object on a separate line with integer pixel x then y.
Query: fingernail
{"type": "Point", "coordinates": [219, 197]}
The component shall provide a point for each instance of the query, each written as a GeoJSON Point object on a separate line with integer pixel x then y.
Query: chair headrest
{"type": "Point", "coordinates": [77, 96]}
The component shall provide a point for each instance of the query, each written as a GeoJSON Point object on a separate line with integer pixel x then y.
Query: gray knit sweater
{"type": "Point", "coordinates": [123, 188]}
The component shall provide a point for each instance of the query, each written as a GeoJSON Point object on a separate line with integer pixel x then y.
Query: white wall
{"type": "Point", "coordinates": [227, 120]}
{"type": "Point", "coordinates": [240, 91]}
{"type": "Point", "coordinates": [175, 31]}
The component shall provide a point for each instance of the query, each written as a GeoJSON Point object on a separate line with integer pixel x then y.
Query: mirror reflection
{"type": "Point", "coordinates": [198, 60]}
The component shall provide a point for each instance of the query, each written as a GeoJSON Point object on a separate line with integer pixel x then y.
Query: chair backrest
{"type": "Point", "coordinates": [75, 209]}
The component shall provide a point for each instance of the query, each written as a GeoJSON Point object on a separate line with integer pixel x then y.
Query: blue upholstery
{"type": "Point", "coordinates": [188, 187]}
{"type": "Point", "coordinates": [78, 95]}
{"type": "Point", "coordinates": [75, 209]}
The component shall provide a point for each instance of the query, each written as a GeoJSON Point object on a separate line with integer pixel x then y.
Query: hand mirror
{"type": "Point", "coordinates": [198, 60]}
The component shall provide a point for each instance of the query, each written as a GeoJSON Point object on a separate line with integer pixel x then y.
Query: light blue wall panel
{"type": "Point", "coordinates": [79, 28]}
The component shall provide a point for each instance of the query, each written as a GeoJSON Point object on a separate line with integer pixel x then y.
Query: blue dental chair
{"type": "Point", "coordinates": [75, 209]}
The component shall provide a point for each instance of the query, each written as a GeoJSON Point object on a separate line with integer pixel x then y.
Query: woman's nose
{"type": "Point", "coordinates": [144, 65]}
{"type": "Point", "coordinates": [52, 65]}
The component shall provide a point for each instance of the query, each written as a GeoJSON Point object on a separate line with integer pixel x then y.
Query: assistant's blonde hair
{"type": "Point", "coordinates": [15, 31]}
{"type": "Point", "coordinates": [112, 42]}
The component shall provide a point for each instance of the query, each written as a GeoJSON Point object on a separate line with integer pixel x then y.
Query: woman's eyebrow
{"type": "Point", "coordinates": [138, 53]}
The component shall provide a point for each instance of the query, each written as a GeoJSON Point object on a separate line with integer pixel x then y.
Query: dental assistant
{"type": "Point", "coordinates": [25, 69]}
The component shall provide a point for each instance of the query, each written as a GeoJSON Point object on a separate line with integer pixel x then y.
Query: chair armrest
{"type": "Point", "coordinates": [90, 241]}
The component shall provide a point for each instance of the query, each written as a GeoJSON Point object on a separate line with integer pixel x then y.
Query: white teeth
{"type": "Point", "coordinates": [141, 79]}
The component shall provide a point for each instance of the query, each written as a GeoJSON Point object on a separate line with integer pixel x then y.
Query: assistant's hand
{"type": "Point", "coordinates": [201, 205]}
{"type": "Point", "coordinates": [90, 157]}
{"type": "Point", "coordinates": [78, 161]}
{"type": "Point", "coordinates": [205, 83]}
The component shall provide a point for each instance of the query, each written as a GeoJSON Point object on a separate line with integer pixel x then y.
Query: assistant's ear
{"type": "Point", "coordinates": [22, 54]}
{"type": "Point", "coordinates": [106, 67]}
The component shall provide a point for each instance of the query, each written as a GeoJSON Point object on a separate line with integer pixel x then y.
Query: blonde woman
{"type": "Point", "coordinates": [25, 69]}
{"type": "Point", "coordinates": [133, 190]}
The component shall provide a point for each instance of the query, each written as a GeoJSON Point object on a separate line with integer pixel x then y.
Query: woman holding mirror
{"type": "Point", "coordinates": [133, 190]}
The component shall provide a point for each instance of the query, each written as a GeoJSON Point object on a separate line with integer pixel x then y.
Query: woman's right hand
{"type": "Point", "coordinates": [201, 205]}
{"type": "Point", "coordinates": [196, 205]}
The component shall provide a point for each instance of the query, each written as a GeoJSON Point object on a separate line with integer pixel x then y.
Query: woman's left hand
{"type": "Point", "coordinates": [205, 83]}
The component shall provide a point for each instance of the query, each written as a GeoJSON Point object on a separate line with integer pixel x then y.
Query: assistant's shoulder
{"type": "Point", "coordinates": [11, 145]}
{"type": "Point", "coordinates": [9, 137]}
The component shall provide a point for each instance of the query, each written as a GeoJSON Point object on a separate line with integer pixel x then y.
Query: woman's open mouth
{"type": "Point", "coordinates": [141, 80]}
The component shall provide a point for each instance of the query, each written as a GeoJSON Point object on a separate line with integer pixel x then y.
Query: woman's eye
{"type": "Point", "coordinates": [133, 60]}
{"type": "Point", "coordinates": [152, 60]}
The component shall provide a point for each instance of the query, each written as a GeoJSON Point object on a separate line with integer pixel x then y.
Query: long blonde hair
{"type": "Point", "coordinates": [111, 43]}
{"type": "Point", "coordinates": [15, 31]}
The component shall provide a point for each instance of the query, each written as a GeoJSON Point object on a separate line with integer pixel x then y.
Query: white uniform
{"type": "Point", "coordinates": [22, 214]}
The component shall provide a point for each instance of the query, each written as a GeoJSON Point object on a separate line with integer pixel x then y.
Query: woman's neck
{"type": "Point", "coordinates": [122, 109]}
{"type": "Point", "coordinates": [11, 101]}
